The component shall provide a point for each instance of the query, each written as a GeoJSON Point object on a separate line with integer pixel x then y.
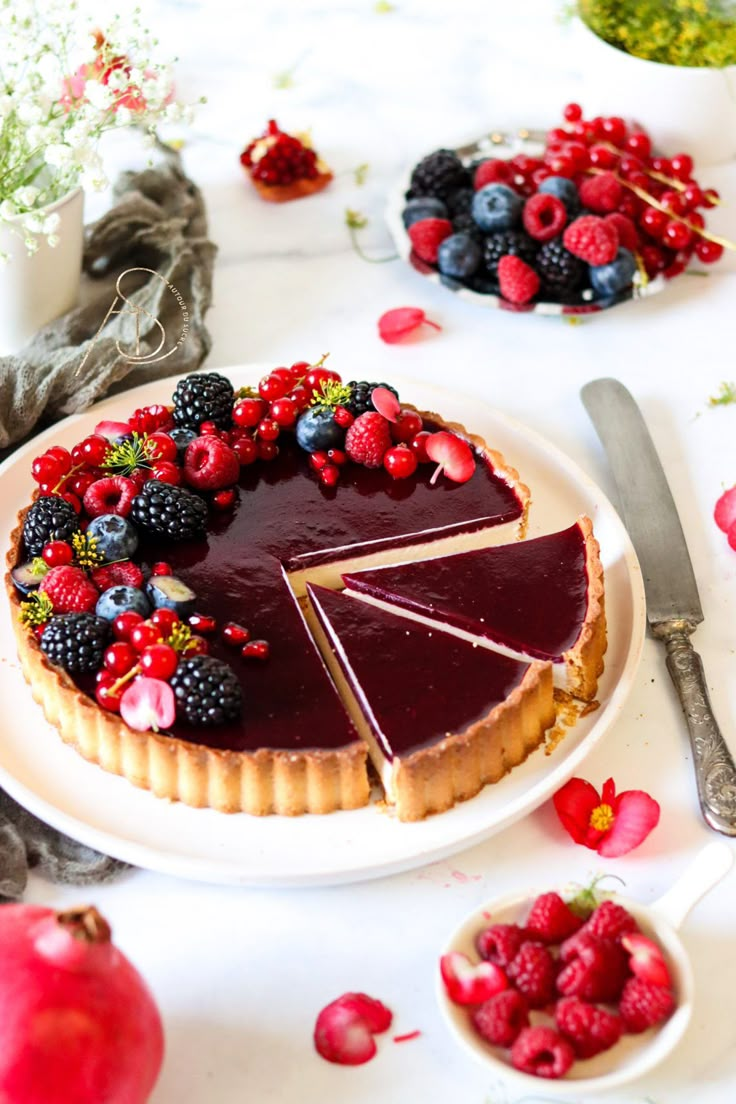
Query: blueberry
{"type": "Point", "coordinates": [496, 207]}
{"type": "Point", "coordinates": [116, 537]}
{"type": "Point", "coordinates": [317, 430]}
{"type": "Point", "coordinates": [565, 190]}
{"type": "Point", "coordinates": [459, 256]}
{"type": "Point", "coordinates": [119, 599]}
{"type": "Point", "coordinates": [181, 436]}
{"type": "Point", "coordinates": [607, 279]}
{"type": "Point", "coordinates": [168, 592]}
{"type": "Point", "coordinates": [24, 578]}
{"type": "Point", "coordinates": [421, 208]}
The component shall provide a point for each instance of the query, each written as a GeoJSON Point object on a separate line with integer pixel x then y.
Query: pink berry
{"type": "Point", "coordinates": [725, 511]}
{"type": "Point", "coordinates": [452, 455]}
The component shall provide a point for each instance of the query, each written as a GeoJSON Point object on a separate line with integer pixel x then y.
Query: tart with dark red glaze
{"type": "Point", "coordinates": [272, 523]}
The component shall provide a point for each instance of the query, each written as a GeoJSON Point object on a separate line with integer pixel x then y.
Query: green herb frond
{"type": "Point", "coordinates": [332, 394]}
{"type": "Point", "coordinates": [726, 395]}
{"type": "Point", "coordinates": [86, 552]}
{"type": "Point", "coordinates": [126, 456]}
{"type": "Point", "coordinates": [36, 609]}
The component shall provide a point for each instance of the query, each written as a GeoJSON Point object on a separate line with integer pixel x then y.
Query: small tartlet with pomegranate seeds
{"type": "Point", "coordinates": [284, 166]}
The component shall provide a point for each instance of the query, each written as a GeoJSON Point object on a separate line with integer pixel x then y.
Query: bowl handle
{"type": "Point", "coordinates": [706, 869]}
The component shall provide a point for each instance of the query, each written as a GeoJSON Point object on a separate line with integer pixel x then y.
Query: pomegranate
{"type": "Point", "coordinates": [78, 1023]}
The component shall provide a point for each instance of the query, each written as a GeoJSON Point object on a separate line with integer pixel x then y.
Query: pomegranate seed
{"type": "Point", "coordinates": [343, 417]}
{"type": "Point", "coordinates": [255, 649]}
{"type": "Point", "coordinates": [337, 456]}
{"type": "Point", "coordinates": [235, 634]}
{"type": "Point", "coordinates": [224, 499]}
{"type": "Point", "coordinates": [318, 460]}
{"type": "Point", "coordinates": [329, 475]}
{"type": "Point", "coordinates": [202, 622]}
{"type": "Point", "coordinates": [161, 568]}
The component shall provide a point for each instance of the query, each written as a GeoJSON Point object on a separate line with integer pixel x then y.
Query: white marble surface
{"type": "Point", "coordinates": [240, 975]}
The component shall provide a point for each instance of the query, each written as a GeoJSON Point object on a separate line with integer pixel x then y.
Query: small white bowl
{"type": "Point", "coordinates": [634, 1055]}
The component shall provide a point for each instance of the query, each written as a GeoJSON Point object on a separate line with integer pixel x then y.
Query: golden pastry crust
{"type": "Point", "coordinates": [584, 661]}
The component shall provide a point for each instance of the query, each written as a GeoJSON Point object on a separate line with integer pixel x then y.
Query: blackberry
{"type": "Point", "coordinates": [204, 397]}
{"type": "Point", "coordinates": [49, 518]}
{"type": "Point", "coordinates": [76, 641]}
{"type": "Point", "coordinates": [168, 510]}
{"type": "Point", "coordinates": [460, 202]}
{"type": "Point", "coordinates": [507, 242]}
{"type": "Point", "coordinates": [439, 174]}
{"type": "Point", "coordinates": [360, 400]}
{"type": "Point", "coordinates": [206, 691]}
{"type": "Point", "coordinates": [464, 223]}
{"type": "Point", "coordinates": [563, 276]}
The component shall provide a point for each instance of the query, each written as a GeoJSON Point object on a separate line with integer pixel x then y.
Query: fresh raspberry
{"type": "Point", "coordinates": [70, 590]}
{"type": "Point", "coordinates": [628, 235]}
{"type": "Point", "coordinates": [590, 1029]}
{"type": "Point", "coordinates": [544, 216]}
{"type": "Point", "coordinates": [500, 943]}
{"type": "Point", "coordinates": [609, 921]}
{"type": "Point", "coordinates": [427, 236]}
{"type": "Point", "coordinates": [643, 1005]}
{"type": "Point", "coordinates": [542, 1052]}
{"type": "Point", "coordinates": [493, 171]}
{"type": "Point", "coordinates": [601, 193]}
{"type": "Point", "coordinates": [533, 972]}
{"type": "Point", "coordinates": [148, 419]}
{"type": "Point", "coordinates": [592, 239]}
{"type": "Point", "coordinates": [519, 283]}
{"type": "Point", "coordinates": [500, 1019]}
{"type": "Point", "coordinates": [112, 495]}
{"type": "Point", "coordinates": [551, 920]}
{"type": "Point", "coordinates": [210, 464]}
{"type": "Point", "coordinates": [368, 439]}
{"type": "Point", "coordinates": [125, 573]}
{"type": "Point", "coordinates": [595, 969]}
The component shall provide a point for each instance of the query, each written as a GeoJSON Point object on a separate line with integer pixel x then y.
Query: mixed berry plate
{"type": "Point", "coordinates": [108, 813]}
{"type": "Point", "coordinates": [503, 145]}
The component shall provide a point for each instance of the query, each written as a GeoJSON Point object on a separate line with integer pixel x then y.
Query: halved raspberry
{"type": "Point", "coordinates": [125, 573]}
{"type": "Point", "coordinates": [595, 969]}
{"type": "Point", "coordinates": [591, 1030]}
{"type": "Point", "coordinates": [500, 1019]}
{"type": "Point", "coordinates": [609, 921]}
{"type": "Point", "coordinates": [544, 216]}
{"type": "Point", "coordinates": [344, 1029]}
{"type": "Point", "coordinates": [533, 972]}
{"type": "Point", "coordinates": [601, 193]}
{"type": "Point", "coordinates": [70, 590]}
{"type": "Point", "coordinates": [427, 236]}
{"type": "Point", "coordinates": [542, 1052]}
{"type": "Point", "coordinates": [551, 920]}
{"type": "Point", "coordinates": [643, 1005]}
{"type": "Point", "coordinates": [518, 281]}
{"type": "Point", "coordinates": [470, 983]}
{"type": "Point", "coordinates": [592, 239]}
{"type": "Point", "coordinates": [210, 464]}
{"type": "Point", "coordinates": [368, 439]}
{"type": "Point", "coordinates": [646, 959]}
{"type": "Point", "coordinates": [500, 943]}
{"type": "Point", "coordinates": [112, 495]}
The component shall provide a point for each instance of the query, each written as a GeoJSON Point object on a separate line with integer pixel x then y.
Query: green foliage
{"type": "Point", "coordinates": [675, 32]}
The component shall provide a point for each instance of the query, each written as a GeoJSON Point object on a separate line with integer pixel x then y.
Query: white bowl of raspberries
{"type": "Point", "coordinates": [573, 221]}
{"type": "Point", "coordinates": [590, 989]}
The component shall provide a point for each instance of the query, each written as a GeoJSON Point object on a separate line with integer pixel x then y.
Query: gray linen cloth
{"type": "Point", "coordinates": [158, 222]}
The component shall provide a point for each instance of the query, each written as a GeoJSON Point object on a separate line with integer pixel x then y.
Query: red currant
{"type": "Point", "coordinates": [343, 417]}
{"type": "Point", "coordinates": [161, 568]}
{"type": "Point", "coordinates": [708, 251]}
{"type": "Point", "coordinates": [400, 462]}
{"type": "Point", "coordinates": [418, 446]}
{"type": "Point", "coordinates": [246, 450]}
{"type": "Point", "coordinates": [711, 197]}
{"type": "Point", "coordinates": [255, 649]}
{"type": "Point", "coordinates": [560, 164]}
{"type": "Point", "coordinates": [653, 221]}
{"type": "Point", "coordinates": [224, 499]}
{"type": "Point", "coordinates": [693, 195]}
{"type": "Point", "coordinates": [165, 620]}
{"type": "Point", "coordinates": [73, 501]}
{"type": "Point", "coordinates": [268, 430]}
{"type": "Point", "coordinates": [143, 635]}
{"type": "Point", "coordinates": [638, 143]}
{"type": "Point", "coordinates": [271, 387]}
{"type": "Point", "coordinates": [318, 460]}
{"type": "Point", "coordinates": [105, 696]}
{"type": "Point", "coordinates": [267, 450]}
{"type": "Point", "coordinates": [62, 456]}
{"type": "Point", "coordinates": [301, 397]}
{"type": "Point", "coordinates": [630, 205]}
{"type": "Point", "coordinates": [556, 135]}
{"type": "Point", "coordinates": [235, 634]}
{"type": "Point", "coordinates": [119, 658]}
{"type": "Point", "coordinates": [248, 412]}
{"type": "Point", "coordinates": [82, 481]}
{"type": "Point", "coordinates": [165, 472]}
{"type": "Point", "coordinates": [661, 165]}
{"type": "Point", "coordinates": [629, 165]}
{"type": "Point", "coordinates": [696, 219]}
{"type": "Point", "coordinates": [674, 202]}
{"type": "Point", "coordinates": [572, 112]}
{"type": "Point", "coordinates": [46, 470]}
{"type": "Point", "coordinates": [285, 374]}
{"type": "Point", "coordinates": [329, 475]}
{"type": "Point", "coordinates": [406, 426]}
{"type": "Point", "coordinates": [602, 157]}
{"type": "Point", "coordinates": [202, 622]}
{"type": "Point", "coordinates": [614, 129]}
{"type": "Point", "coordinates": [124, 624]}
{"type": "Point", "coordinates": [315, 377]}
{"type": "Point", "coordinates": [299, 370]}
{"type": "Point", "coordinates": [540, 174]}
{"type": "Point", "coordinates": [676, 235]}
{"type": "Point", "coordinates": [209, 429]}
{"type": "Point", "coordinates": [57, 553]}
{"type": "Point", "coordinates": [159, 661]}
{"type": "Point", "coordinates": [653, 259]}
{"type": "Point", "coordinates": [283, 411]}
{"type": "Point", "coordinates": [162, 447]}
{"type": "Point", "coordinates": [92, 450]}
{"type": "Point", "coordinates": [681, 166]}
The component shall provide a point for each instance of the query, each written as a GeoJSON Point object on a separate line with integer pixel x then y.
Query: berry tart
{"type": "Point", "coordinates": [585, 216]}
{"type": "Point", "coordinates": [158, 585]}
{"type": "Point", "coordinates": [284, 166]}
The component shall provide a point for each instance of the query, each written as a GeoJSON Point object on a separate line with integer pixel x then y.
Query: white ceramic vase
{"type": "Point", "coordinates": [36, 289]}
{"type": "Point", "coordinates": [685, 109]}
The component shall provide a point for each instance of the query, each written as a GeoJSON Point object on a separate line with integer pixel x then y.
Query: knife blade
{"type": "Point", "coordinates": [673, 603]}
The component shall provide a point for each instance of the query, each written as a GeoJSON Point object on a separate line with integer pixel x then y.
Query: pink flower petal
{"type": "Point", "coordinates": [636, 815]}
{"type": "Point", "coordinates": [148, 703]}
{"type": "Point", "coordinates": [725, 511]}
{"type": "Point", "coordinates": [574, 803]}
{"type": "Point", "coordinates": [398, 323]}
{"type": "Point", "coordinates": [385, 403]}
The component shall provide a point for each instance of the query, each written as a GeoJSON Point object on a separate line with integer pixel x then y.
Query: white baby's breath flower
{"type": "Point", "coordinates": [7, 209]}
{"type": "Point", "coordinates": [57, 154]}
{"type": "Point", "coordinates": [53, 240]}
{"type": "Point", "coordinates": [51, 222]}
{"type": "Point", "coordinates": [98, 94]}
{"type": "Point", "coordinates": [123, 116]}
{"type": "Point", "coordinates": [31, 245]}
{"type": "Point", "coordinates": [27, 196]}
{"type": "Point", "coordinates": [33, 223]}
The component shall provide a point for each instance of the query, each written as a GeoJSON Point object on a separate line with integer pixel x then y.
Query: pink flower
{"type": "Point", "coordinates": [395, 325]}
{"type": "Point", "coordinates": [148, 703]}
{"type": "Point", "coordinates": [610, 824]}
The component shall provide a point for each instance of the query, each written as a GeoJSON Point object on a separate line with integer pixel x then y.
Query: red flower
{"type": "Point", "coordinates": [610, 824]}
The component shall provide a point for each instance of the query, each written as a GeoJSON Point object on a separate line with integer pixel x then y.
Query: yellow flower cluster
{"type": "Point", "coordinates": [674, 32]}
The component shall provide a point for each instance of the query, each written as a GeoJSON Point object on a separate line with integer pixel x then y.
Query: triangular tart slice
{"type": "Point", "coordinates": [540, 599]}
{"type": "Point", "coordinates": [441, 717]}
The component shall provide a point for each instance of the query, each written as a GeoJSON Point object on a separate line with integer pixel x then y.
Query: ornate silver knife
{"type": "Point", "coordinates": [673, 604]}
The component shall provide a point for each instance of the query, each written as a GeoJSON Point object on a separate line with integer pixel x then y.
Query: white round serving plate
{"type": "Point", "coordinates": [110, 814]}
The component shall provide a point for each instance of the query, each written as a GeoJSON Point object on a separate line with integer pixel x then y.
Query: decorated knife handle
{"type": "Point", "coordinates": [715, 771]}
